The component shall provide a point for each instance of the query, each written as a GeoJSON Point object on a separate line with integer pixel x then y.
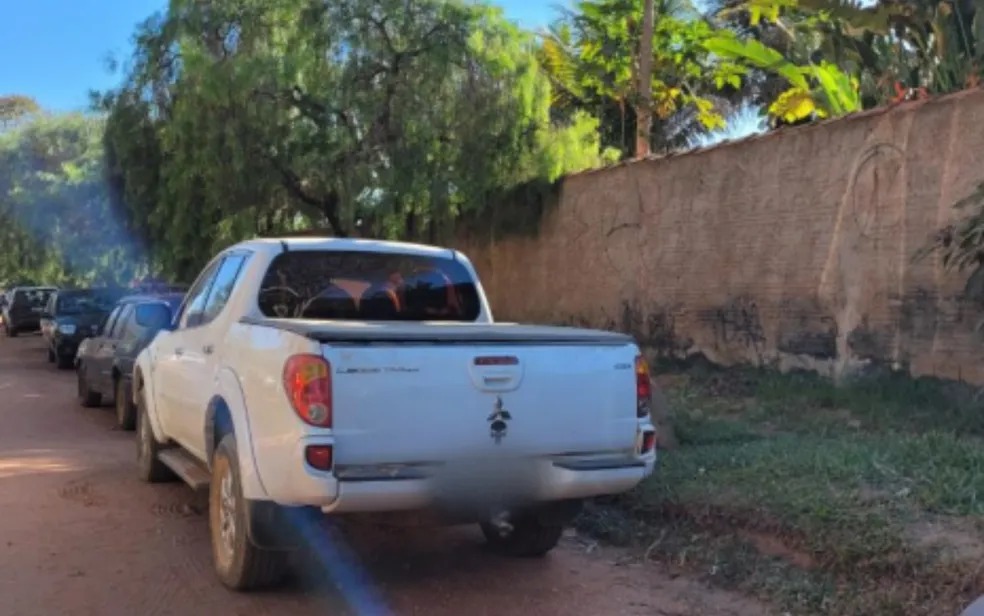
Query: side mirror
{"type": "Point", "coordinates": [153, 316]}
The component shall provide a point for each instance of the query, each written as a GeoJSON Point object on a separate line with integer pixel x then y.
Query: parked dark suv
{"type": "Point", "coordinates": [23, 308]}
{"type": "Point", "coordinates": [71, 316]}
{"type": "Point", "coordinates": [105, 362]}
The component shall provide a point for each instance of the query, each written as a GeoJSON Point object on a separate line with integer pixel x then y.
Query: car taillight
{"type": "Point", "coordinates": [319, 456]}
{"type": "Point", "coordinates": [307, 381]}
{"type": "Point", "coordinates": [644, 387]}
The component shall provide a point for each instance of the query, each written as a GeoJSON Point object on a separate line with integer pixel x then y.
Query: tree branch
{"type": "Point", "coordinates": [326, 206]}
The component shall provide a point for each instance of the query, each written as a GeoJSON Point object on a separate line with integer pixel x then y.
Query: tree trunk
{"type": "Point", "coordinates": [644, 108]}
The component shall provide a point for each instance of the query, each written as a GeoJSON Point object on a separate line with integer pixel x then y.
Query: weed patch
{"type": "Point", "coordinates": [861, 499]}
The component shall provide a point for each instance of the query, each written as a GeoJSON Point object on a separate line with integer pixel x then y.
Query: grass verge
{"type": "Point", "coordinates": [862, 499]}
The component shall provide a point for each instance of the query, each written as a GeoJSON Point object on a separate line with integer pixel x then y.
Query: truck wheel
{"type": "Point", "coordinates": [529, 537]}
{"type": "Point", "coordinates": [126, 411]}
{"type": "Point", "coordinates": [87, 397]}
{"type": "Point", "coordinates": [51, 356]}
{"type": "Point", "coordinates": [149, 467]}
{"type": "Point", "coordinates": [239, 564]}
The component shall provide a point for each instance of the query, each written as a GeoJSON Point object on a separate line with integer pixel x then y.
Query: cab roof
{"type": "Point", "coordinates": [288, 243]}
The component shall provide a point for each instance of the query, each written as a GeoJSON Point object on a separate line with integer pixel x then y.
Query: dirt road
{"type": "Point", "coordinates": [80, 535]}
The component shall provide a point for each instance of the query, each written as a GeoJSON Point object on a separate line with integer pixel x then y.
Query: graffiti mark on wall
{"type": "Point", "coordinates": [655, 329]}
{"type": "Point", "coordinates": [738, 323]}
{"type": "Point", "coordinates": [874, 187]}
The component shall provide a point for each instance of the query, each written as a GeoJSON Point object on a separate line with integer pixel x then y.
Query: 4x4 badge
{"type": "Point", "coordinates": [497, 421]}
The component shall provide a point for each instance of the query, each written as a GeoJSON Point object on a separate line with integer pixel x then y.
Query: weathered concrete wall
{"type": "Point", "coordinates": [795, 248]}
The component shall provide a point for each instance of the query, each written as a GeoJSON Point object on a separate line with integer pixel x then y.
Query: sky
{"type": "Point", "coordinates": [56, 50]}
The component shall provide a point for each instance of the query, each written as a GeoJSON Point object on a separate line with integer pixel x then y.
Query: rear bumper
{"type": "Point", "coordinates": [373, 488]}
{"type": "Point", "coordinates": [24, 324]}
{"type": "Point", "coordinates": [557, 483]}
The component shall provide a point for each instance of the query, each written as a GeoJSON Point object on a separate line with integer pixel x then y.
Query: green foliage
{"type": "Point", "coordinates": [592, 57]}
{"type": "Point", "coordinates": [56, 221]}
{"type": "Point", "coordinates": [891, 48]}
{"type": "Point", "coordinates": [15, 108]}
{"type": "Point", "coordinates": [815, 90]}
{"type": "Point", "coordinates": [244, 117]}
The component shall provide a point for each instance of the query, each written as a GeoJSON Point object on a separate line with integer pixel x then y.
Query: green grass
{"type": "Point", "coordinates": [817, 497]}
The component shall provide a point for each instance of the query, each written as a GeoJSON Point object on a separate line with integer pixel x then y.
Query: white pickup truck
{"type": "Point", "coordinates": [355, 376]}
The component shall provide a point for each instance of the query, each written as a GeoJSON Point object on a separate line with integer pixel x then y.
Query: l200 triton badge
{"type": "Point", "coordinates": [498, 421]}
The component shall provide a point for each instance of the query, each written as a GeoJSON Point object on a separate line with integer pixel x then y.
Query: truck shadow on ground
{"type": "Point", "coordinates": [342, 554]}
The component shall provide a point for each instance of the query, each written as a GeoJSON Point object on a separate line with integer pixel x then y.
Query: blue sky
{"type": "Point", "coordinates": [56, 50]}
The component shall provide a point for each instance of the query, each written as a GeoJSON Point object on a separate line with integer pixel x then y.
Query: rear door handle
{"type": "Point", "coordinates": [207, 349]}
{"type": "Point", "coordinates": [179, 352]}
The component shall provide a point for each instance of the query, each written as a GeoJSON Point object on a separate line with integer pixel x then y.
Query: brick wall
{"type": "Point", "coordinates": [795, 248]}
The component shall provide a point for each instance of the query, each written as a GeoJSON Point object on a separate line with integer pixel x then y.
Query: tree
{"type": "Point", "coordinates": [593, 53]}
{"type": "Point", "coordinates": [891, 50]}
{"type": "Point", "coordinates": [813, 91]}
{"type": "Point", "coordinates": [284, 113]}
{"type": "Point", "coordinates": [644, 111]}
{"type": "Point", "coordinates": [15, 108]}
{"type": "Point", "coordinates": [55, 221]}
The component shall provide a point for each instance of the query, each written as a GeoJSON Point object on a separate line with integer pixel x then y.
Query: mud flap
{"type": "Point", "coordinates": [559, 512]}
{"type": "Point", "coordinates": [274, 527]}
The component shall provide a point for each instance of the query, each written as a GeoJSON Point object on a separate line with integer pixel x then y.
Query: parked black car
{"type": "Point", "coordinates": [71, 316]}
{"type": "Point", "coordinates": [105, 361]}
{"type": "Point", "coordinates": [23, 308]}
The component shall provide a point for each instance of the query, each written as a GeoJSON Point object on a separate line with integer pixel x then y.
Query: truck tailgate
{"type": "Point", "coordinates": [403, 402]}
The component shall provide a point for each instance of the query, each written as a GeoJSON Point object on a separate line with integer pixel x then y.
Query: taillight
{"type": "Point", "coordinates": [319, 457]}
{"type": "Point", "coordinates": [307, 381]}
{"type": "Point", "coordinates": [644, 387]}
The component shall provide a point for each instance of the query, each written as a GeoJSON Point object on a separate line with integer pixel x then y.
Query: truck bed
{"type": "Point", "coordinates": [395, 332]}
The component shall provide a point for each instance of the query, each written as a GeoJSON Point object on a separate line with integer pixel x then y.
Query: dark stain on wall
{"type": "Point", "coordinates": [806, 329]}
{"type": "Point", "coordinates": [819, 345]}
{"type": "Point", "coordinates": [918, 314]}
{"type": "Point", "coordinates": [865, 342]}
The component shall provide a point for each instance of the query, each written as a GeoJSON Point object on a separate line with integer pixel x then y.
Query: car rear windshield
{"type": "Point", "coordinates": [32, 297]}
{"type": "Point", "coordinates": [367, 286]}
{"type": "Point", "coordinates": [88, 301]}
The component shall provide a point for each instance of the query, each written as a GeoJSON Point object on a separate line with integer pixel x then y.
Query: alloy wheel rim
{"type": "Point", "coordinates": [144, 436]}
{"type": "Point", "coordinates": [227, 515]}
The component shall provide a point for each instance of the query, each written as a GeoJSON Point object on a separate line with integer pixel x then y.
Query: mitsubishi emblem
{"type": "Point", "coordinates": [497, 421]}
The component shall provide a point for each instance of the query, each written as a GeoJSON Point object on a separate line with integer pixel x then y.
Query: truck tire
{"type": "Point", "coordinates": [51, 356]}
{"type": "Point", "coordinates": [149, 467]}
{"type": "Point", "coordinates": [126, 411]}
{"type": "Point", "coordinates": [239, 564]}
{"type": "Point", "coordinates": [64, 362]}
{"type": "Point", "coordinates": [529, 537]}
{"type": "Point", "coordinates": [87, 397]}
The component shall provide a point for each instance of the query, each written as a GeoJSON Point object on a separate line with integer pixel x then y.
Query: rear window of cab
{"type": "Point", "coordinates": [367, 286]}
